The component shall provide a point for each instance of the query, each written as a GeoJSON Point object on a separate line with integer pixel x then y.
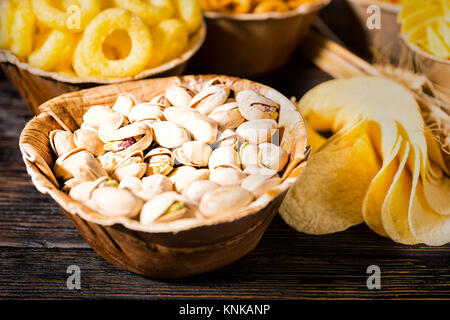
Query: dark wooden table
{"type": "Point", "coordinates": [38, 243]}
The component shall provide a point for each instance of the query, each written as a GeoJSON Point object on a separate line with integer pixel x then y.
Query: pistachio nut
{"type": "Point", "coordinates": [132, 165]}
{"type": "Point", "coordinates": [193, 153]}
{"type": "Point", "coordinates": [79, 164]}
{"type": "Point", "coordinates": [260, 184]}
{"type": "Point", "coordinates": [225, 156]}
{"type": "Point", "coordinates": [227, 176]}
{"type": "Point", "coordinates": [165, 207]}
{"type": "Point", "coordinates": [254, 106]}
{"type": "Point", "coordinates": [160, 161]}
{"type": "Point", "coordinates": [123, 104]}
{"type": "Point", "coordinates": [257, 131]}
{"type": "Point", "coordinates": [183, 176]}
{"type": "Point", "coordinates": [96, 115]}
{"type": "Point", "coordinates": [224, 200]}
{"type": "Point", "coordinates": [209, 98]}
{"type": "Point", "coordinates": [148, 187]}
{"type": "Point", "coordinates": [227, 116]}
{"type": "Point", "coordinates": [179, 95]}
{"type": "Point", "coordinates": [272, 157]}
{"type": "Point", "coordinates": [249, 154]}
{"type": "Point", "coordinates": [198, 125]}
{"type": "Point", "coordinates": [228, 138]}
{"type": "Point", "coordinates": [61, 142]}
{"type": "Point", "coordinates": [197, 189]}
{"type": "Point", "coordinates": [160, 100]}
{"type": "Point", "coordinates": [89, 140]}
{"type": "Point", "coordinates": [169, 134]}
{"type": "Point", "coordinates": [146, 111]}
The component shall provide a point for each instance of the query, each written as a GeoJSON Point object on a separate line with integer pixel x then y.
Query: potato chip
{"type": "Point", "coordinates": [171, 38]}
{"type": "Point", "coordinates": [329, 194]}
{"type": "Point", "coordinates": [23, 29]}
{"type": "Point", "coordinates": [6, 21]}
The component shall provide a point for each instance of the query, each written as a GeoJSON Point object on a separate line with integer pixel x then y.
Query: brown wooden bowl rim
{"type": "Point", "coordinates": [44, 185]}
{"type": "Point", "coordinates": [302, 10]}
{"type": "Point", "coordinates": [196, 41]}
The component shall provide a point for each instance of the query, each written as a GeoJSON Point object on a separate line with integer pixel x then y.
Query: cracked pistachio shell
{"type": "Point", "coordinates": [169, 134]}
{"type": "Point", "coordinates": [257, 131]}
{"type": "Point", "coordinates": [183, 176]}
{"type": "Point", "coordinates": [251, 170]}
{"type": "Point", "coordinates": [109, 161]}
{"type": "Point", "coordinates": [197, 189]}
{"type": "Point", "coordinates": [132, 165]}
{"type": "Point", "coordinates": [160, 160]}
{"type": "Point", "coordinates": [145, 111]}
{"type": "Point", "coordinates": [260, 184]}
{"type": "Point", "coordinates": [249, 154]}
{"type": "Point", "coordinates": [227, 176]}
{"type": "Point", "coordinates": [89, 140]}
{"type": "Point", "coordinates": [193, 153]}
{"type": "Point", "coordinates": [209, 98]}
{"type": "Point", "coordinates": [254, 106]}
{"type": "Point", "coordinates": [96, 115]}
{"type": "Point", "coordinates": [83, 191]}
{"type": "Point", "coordinates": [272, 157]}
{"type": "Point", "coordinates": [224, 156]}
{"type": "Point", "coordinates": [179, 95]}
{"type": "Point", "coordinates": [228, 138]}
{"type": "Point", "coordinates": [114, 202]}
{"type": "Point", "coordinates": [155, 209]}
{"type": "Point", "coordinates": [79, 164]}
{"type": "Point", "coordinates": [148, 187]}
{"type": "Point", "coordinates": [198, 125]}
{"type": "Point", "coordinates": [227, 116]}
{"type": "Point", "coordinates": [61, 142]}
{"type": "Point", "coordinates": [224, 200]}
{"type": "Point", "coordinates": [123, 104]}
{"type": "Point", "coordinates": [160, 100]}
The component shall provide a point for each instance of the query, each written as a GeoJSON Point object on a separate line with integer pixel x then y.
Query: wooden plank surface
{"type": "Point", "coordinates": [38, 243]}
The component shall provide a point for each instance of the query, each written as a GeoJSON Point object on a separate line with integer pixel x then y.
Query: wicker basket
{"type": "Point", "coordinates": [176, 249]}
{"type": "Point", "coordinates": [37, 86]}
{"type": "Point", "coordinates": [250, 44]}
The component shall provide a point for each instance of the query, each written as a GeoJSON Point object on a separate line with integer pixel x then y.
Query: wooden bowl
{"type": "Point", "coordinates": [37, 86]}
{"type": "Point", "coordinates": [386, 39]}
{"type": "Point", "coordinates": [179, 248]}
{"type": "Point", "coordinates": [250, 44]}
{"type": "Point", "coordinates": [435, 69]}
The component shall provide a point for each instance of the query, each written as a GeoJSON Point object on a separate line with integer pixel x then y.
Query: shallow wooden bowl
{"type": "Point", "coordinates": [385, 40]}
{"type": "Point", "coordinates": [179, 248]}
{"type": "Point", "coordinates": [250, 44]}
{"type": "Point", "coordinates": [37, 86]}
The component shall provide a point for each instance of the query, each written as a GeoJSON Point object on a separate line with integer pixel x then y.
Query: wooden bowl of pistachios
{"type": "Point", "coordinates": [168, 177]}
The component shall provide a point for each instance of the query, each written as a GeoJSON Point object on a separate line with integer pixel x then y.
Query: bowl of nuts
{"type": "Point", "coordinates": [161, 173]}
{"type": "Point", "coordinates": [248, 38]}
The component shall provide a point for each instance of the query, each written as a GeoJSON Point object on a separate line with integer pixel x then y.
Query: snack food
{"type": "Point", "coordinates": [426, 24]}
{"type": "Point", "coordinates": [101, 39]}
{"type": "Point", "coordinates": [159, 159]}
{"type": "Point", "coordinates": [381, 166]}
{"type": "Point", "coordinates": [252, 6]}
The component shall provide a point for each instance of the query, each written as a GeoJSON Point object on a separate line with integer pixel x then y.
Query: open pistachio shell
{"type": "Point", "coordinates": [113, 202]}
{"type": "Point", "coordinates": [227, 176]}
{"type": "Point", "coordinates": [89, 140]}
{"type": "Point", "coordinates": [83, 191]}
{"type": "Point", "coordinates": [179, 95]}
{"type": "Point", "coordinates": [183, 176]}
{"type": "Point", "coordinates": [227, 116]}
{"type": "Point", "coordinates": [161, 100]}
{"type": "Point", "coordinates": [224, 156]}
{"type": "Point", "coordinates": [224, 200]}
{"type": "Point", "coordinates": [254, 106]}
{"type": "Point", "coordinates": [228, 138]}
{"type": "Point", "coordinates": [148, 187]}
{"type": "Point", "coordinates": [209, 98]}
{"type": "Point", "coordinates": [79, 164]}
{"type": "Point", "coordinates": [169, 134]}
{"type": "Point", "coordinates": [249, 154]}
{"type": "Point", "coordinates": [123, 104]}
{"type": "Point", "coordinates": [160, 160]}
{"type": "Point", "coordinates": [257, 131]}
{"type": "Point", "coordinates": [96, 115]}
{"type": "Point", "coordinates": [263, 171]}
{"type": "Point", "coordinates": [109, 161]}
{"type": "Point", "coordinates": [260, 184]}
{"type": "Point", "coordinates": [146, 111]}
{"type": "Point", "coordinates": [198, 125]}
{"type": "Point", "coordinates": [156, 209]}
{"type": "Point", "coordinates": [197, 189]}
{"type": "Point", "coordinates": [193, 153]}
{"type": "Point", "coordinates": [61, 142]}
{"type": "Point", "coordinates": [131, 165]}
{"type": "Point", "coordinates": [272, 157]}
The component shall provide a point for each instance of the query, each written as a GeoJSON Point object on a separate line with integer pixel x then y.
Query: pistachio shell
{"type": "Point", "coordinates": [145, 111]}
{"type": "Point", "coordinates": [61, 142]}
{"type": "Point", "coordinates": [209, 98]}
{"type": "Point", "coordinates": [83, 191]}
{"type": "Point", "coordinates": [160, 160]}
{"type": "Point", "coordinates": [89, 140]}
{"type": "Point", "coordinates": [148, 187]}
{"type": "Point", "coordinates": [272, 157]}
{"type": "Point", "coordinates": [109, 161]}
{"type": "Point", "coordinates": [254, 106]}
{"type": "Point", "coordinates": [228, 138]}
{"type": "Point", "coordinates": [113, 202]}
{"type": "Point", "coordinates": [227, 176]}
{"type": "Point", "coordinates": [199, 126]}
{"type": "Point", "coordinates": [251, 170]}
{"type": "Point", "coordinates": [249, 154]}
{"type": "Point", "coordinates": [260, 184]}
{"type": "Point", "coordinates": [227, 116]}
{"type": "Point", "coordinates": [224, 156]}
{"type": "Point", "coordinates": [224, 200]}
{"type": "Point", "coordinates": [78, 164]}
{"type": "Point", "coordinates": [160, 100]}
{"type": "Point", "coordinates": [123, 104]}
{"type": "Point", "coordinates": [193, 153]}
{"type": "Point", "coordinates": [96, 115]}
{"type": "Point", "coordinates": [197, 189]}
{"type": "Point", "coordinates": [69, 184]}
{"type": "Point", "coordinates": [257, 131]}
{"type": "Point", "coordinates": [155, 209]}
{"type": "Point", "coordinates": [183, 176]}
{"type": "Point", "coordinates": [169, 134]}
{"type": "Point", "coordinates": [179, 95]}
{"type": "Point", "coordinates": [132, 165]}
